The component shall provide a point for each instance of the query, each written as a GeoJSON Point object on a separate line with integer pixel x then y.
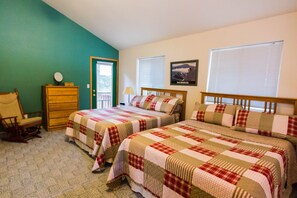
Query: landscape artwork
{"type": "Point", "coordinates": [184, 73]}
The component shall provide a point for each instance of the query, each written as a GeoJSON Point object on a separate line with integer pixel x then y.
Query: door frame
{"type": "Point", "coordinates": [91, 72]}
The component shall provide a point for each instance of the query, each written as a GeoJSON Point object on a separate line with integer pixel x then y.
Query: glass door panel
{"type": "Point", "coordinates": [104, 85]}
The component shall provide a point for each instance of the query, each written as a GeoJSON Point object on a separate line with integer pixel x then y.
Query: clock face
{"type": "Point", "coordinates": [58, 76]}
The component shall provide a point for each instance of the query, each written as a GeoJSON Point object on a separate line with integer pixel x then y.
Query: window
{"type": "Point", "coordinates": [249, 70]}
{"type": "Point", "coordinates": [150, 72]}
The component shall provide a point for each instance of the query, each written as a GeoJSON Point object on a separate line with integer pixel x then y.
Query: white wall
{"type": "Point", "coordinates": [197, 46]}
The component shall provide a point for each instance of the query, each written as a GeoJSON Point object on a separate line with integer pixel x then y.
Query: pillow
{"type": "Point", "coordinates": [142, 101]}
{"type": "Point", "coordinates": [275, 125]}
{"type": "Point", "coordinates": [220, 114]}
{"type": "Point", "coordinates": [163, 104]}
{"type": "Point", "coordinates": [180, 101]}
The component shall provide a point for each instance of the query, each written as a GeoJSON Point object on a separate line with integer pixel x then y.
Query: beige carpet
{"type": "Point", "coordinates": [51, 167]}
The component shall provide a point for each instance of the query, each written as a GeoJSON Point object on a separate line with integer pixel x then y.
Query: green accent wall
{"type": "Point", "coordinates": [36, 41]}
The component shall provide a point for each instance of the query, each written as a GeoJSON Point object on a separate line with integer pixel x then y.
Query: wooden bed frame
{"type": "Point", "coordinates": [168, 92]}
{"type": "Point", "coordinates": [270, 103]}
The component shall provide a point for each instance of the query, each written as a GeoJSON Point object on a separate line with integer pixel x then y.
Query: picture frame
{"type": "Point", "coordinates": [184, 73]}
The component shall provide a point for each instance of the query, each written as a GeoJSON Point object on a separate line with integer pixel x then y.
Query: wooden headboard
{"type": "Point", "coordinates": [169, 92]}
{"type": "Point", "coordinates": [270, 103]}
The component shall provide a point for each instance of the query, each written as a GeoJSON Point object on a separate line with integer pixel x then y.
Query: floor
{"type": "Point", "coordinates": [51, 167]}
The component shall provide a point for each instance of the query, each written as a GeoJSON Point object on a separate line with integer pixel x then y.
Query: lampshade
{"type": "Point", "coordinates": [128, 90]}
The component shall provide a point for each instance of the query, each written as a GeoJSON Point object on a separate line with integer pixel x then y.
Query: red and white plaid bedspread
{"type": "Point", "coordinates": [182, 160]}
{"type": "Point", "coordinates": [100, 132]}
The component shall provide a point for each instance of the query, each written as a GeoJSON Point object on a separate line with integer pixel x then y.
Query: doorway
{"type": "Point", "coordinates": [103, 82]}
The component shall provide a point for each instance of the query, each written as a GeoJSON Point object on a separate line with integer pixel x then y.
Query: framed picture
{"type": "Point", "coordinates": [184, 72]}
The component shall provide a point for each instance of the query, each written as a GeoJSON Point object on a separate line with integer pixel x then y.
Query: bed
{"type": "Point", "coordinates": [224, 150]}
{"type": "Point", "coordinates": [100, 131]}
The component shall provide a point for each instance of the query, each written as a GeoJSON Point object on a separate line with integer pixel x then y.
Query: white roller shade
{"type": "Point", "coordinates": [250, 70]}
{"type": "Point", "coordinates": [150, 72]}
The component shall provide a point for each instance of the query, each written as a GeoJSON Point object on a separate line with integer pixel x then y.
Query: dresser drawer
{"type": "Point", "coordinates": [58, 121]}
{"type": "Point", "coordinates": [60, 91]}
{"type": "Point", "coordinates": [63, 106]}
{"type": "Point", "coordinates": [62, 99]}
{"type": "Point", "coordinates": [60, 114]}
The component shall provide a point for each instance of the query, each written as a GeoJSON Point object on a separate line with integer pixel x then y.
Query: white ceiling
{"type": "Point", "coordinates": [126, 23]}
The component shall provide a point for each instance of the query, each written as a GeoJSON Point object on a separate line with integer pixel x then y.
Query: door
{"type": "Point", "coordinates": [103, 83]}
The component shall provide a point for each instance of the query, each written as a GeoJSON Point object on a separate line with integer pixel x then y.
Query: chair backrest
{"type": "Point", "coordinates": [10, 105]}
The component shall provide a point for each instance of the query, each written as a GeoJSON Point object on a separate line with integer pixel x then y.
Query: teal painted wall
{"type": "Point", "coordinates": [36, 41]}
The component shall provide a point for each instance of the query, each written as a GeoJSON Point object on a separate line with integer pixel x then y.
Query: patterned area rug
{"type": "Point", "coordinates": [51, 167]}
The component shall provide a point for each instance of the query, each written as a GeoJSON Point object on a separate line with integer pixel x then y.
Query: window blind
{"type": "Point", "coordinates": [249, 70]}
{"type": "Point", "coordinates": [150, 72]}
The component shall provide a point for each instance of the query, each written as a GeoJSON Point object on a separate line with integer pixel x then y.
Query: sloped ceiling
{"type": "Point", "coordinates": [127, 23]}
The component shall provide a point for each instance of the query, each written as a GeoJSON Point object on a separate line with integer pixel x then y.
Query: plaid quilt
{"type": "Point", "coordinates": [100, 132]}
{"type": "Point", "coordinates": [183, 160]}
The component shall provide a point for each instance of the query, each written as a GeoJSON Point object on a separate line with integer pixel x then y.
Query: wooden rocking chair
{"type": "Point", "coordinates": [19, 127]}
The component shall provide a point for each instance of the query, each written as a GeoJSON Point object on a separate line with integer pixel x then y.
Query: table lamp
{"type": "Point", "coordinates": [128, 91]}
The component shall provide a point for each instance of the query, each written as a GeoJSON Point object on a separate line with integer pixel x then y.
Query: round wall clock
{"type": "Point", "coordinates": [58, 77]}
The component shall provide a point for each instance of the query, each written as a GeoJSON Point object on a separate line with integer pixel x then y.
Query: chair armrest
{"type": "Point", "coordinates": [9, 122]}
{"type": "Point", "coordinates": [15, 117]}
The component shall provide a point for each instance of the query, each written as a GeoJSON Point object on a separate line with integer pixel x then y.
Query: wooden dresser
{"type": "Point", "coordinates": [58, 103]}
